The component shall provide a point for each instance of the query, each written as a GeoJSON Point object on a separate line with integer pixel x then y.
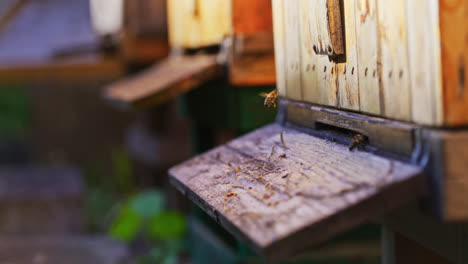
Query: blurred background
{"type": "Point", "coordinates": [83, 180]}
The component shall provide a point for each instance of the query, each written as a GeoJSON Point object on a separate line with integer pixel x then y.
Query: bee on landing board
{"type": "Point", "coordinates": [270, 98]}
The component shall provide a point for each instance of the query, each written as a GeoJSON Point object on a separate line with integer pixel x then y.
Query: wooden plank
{"type": "Point", "coordinates": [393, 59]}
{"type": "Point", "coordinates": [326, 77]}
{"type": "Point", "coordinates": [348, 72]}
{"type": "Point", "coordinates": [198, 23]}
{"type": "Point", "coordinates": [310, 89]}
{"type": "Point", "coordinates": [293, 55]}
{"type": "Point", "coordinates": [366, 41]}
{"type": "Point", "coordinates": [163, 82]}
{"type": "Point", "coordinates": [90, 67]}
{"type": "Point", "coordinates": [279, 41]}
{"type": "Point", "coordinates": [283, 195]}
{"type": "Point", "coordinates": [328, 39]}
{"type": "Point", "coordinates": [453, 40]}
{"type": "Point", "coordinates": [424, 61]}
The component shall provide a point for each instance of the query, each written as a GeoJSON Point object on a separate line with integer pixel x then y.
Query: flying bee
{"type": "Point", "coordinates": [270, 98]}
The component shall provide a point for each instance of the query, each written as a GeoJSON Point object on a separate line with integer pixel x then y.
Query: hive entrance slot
{"type": "Point", "coordinates": [336, 133]}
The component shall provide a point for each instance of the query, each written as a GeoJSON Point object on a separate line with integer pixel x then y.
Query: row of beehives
{"type": "Point", "coordinates": [404, 59]}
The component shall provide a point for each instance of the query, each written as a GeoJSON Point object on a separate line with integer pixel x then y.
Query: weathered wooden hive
{"type": "Point", "coordinates": [206, 36]}
{"type": "Point", "coordinates": [372, 115]}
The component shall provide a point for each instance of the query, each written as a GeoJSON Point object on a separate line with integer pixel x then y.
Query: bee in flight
{"type": "Point", "coordinates": [270, 98]}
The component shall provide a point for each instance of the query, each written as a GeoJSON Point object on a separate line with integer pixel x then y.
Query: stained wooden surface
{"type": "Point", "coordinates": [424, 61]}
{"type": "Point", "coordinates": [195, 24]}
{"type": "Point", "coordinates": [367, 49]}
{"type": "Point", "coordinates": [405, 60]}
{"type": "Point", "coordinates": [164, 81]}
{"type": "Point", "coordinates": [326, 77]}
{"type": "Point", "coordinates": [309, 81]}
{"type": "Point", "coordinates": [279, 43]}
{"type": "Point", "coordinates": [281, 196]}
{"type": "Point", "coordinates": [393, 74]}
{"type": "Point", "coordinates": [454, 58]}
{"type": "Point", "coordinates": [292, 47]}
{"type": "Point", "coordinates": [348, 72]}
{"type": "Point", "coordinates": [328, 22]}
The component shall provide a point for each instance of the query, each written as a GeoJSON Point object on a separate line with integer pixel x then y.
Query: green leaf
{"type": "Point", "coordinates": [123, 170]}
{"type": "Point", "coordinates": [167, 225]}
{"type": "Point", "coordinates": [148, 204]}
{"type": "Point", "coordinates": [127, 225]}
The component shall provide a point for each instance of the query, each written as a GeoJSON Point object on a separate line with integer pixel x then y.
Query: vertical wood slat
{"type": "Point", "coordinates": [198, 23]}
{"type": "Point", "coordinates": [348, 72]}
{"type": "Point", "coordinates": [310, 89]}
{"type": "Point", "coordinates": [393, 59]}
{"type": "Point", "coordinates": [366, 41]}
{"type": "Point", "coordinates": [326, 81]}
{"type": "Point", "coordinates": [424, 61]}
{"type": "Point", "coordinates": [279, 39]}
{"type": "Point", "coordinates": [293, 55]}
{"type": "Point", "coordinates": [453, 35]}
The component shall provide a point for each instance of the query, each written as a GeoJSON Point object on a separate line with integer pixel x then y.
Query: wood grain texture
{"type": "Point", "coordinates": [164, 81]}
{"type": "Point", "coordinates": [328, 39]}
{"type": "Point", "coordinates": [348, 72]}
{"type": "Point", "coordinates": [280, 49]}
{"type": "Point", "coordinates": [281, 196]}
{"type": "Point", "coordinates": [393, 59]}
{"type": "Point", "coordinates": [293, 55]}
{"type": "Point", "coordinates": [454, 38]}
{"type": "Point", "coordinates": [367, 50]}
{"type": "Point", "coordinates": [424, 61]}
{"type": "Point", "coordinates": [198, 23]}
{"type": "Point", "coordinates": [310, 89]}
{"type": "Point", "coordinates": [326, 77]}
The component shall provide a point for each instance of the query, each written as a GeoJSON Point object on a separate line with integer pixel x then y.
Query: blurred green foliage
{"type": "Point", "coordinates": [14, 111]}
{"type": "Point", "coordinates": [143, 216]}
{"type": "Point", "coordinates": [134, 216]}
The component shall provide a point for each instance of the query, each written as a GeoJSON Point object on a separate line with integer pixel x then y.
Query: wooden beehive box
{"type": "Point", "coordinates": [252, 59]}
{"type": "Point", "coordinates": [387, 76]}
{"type": "Point", "coordinates": [402, 59]}
{"type": "Point", "coordinates": [206, 36]}
{"type": "Point", "coordinates": [144, 37]}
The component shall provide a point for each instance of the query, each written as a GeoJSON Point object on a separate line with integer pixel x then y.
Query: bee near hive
{"type": "Point", "coordinates": [270, 98]}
